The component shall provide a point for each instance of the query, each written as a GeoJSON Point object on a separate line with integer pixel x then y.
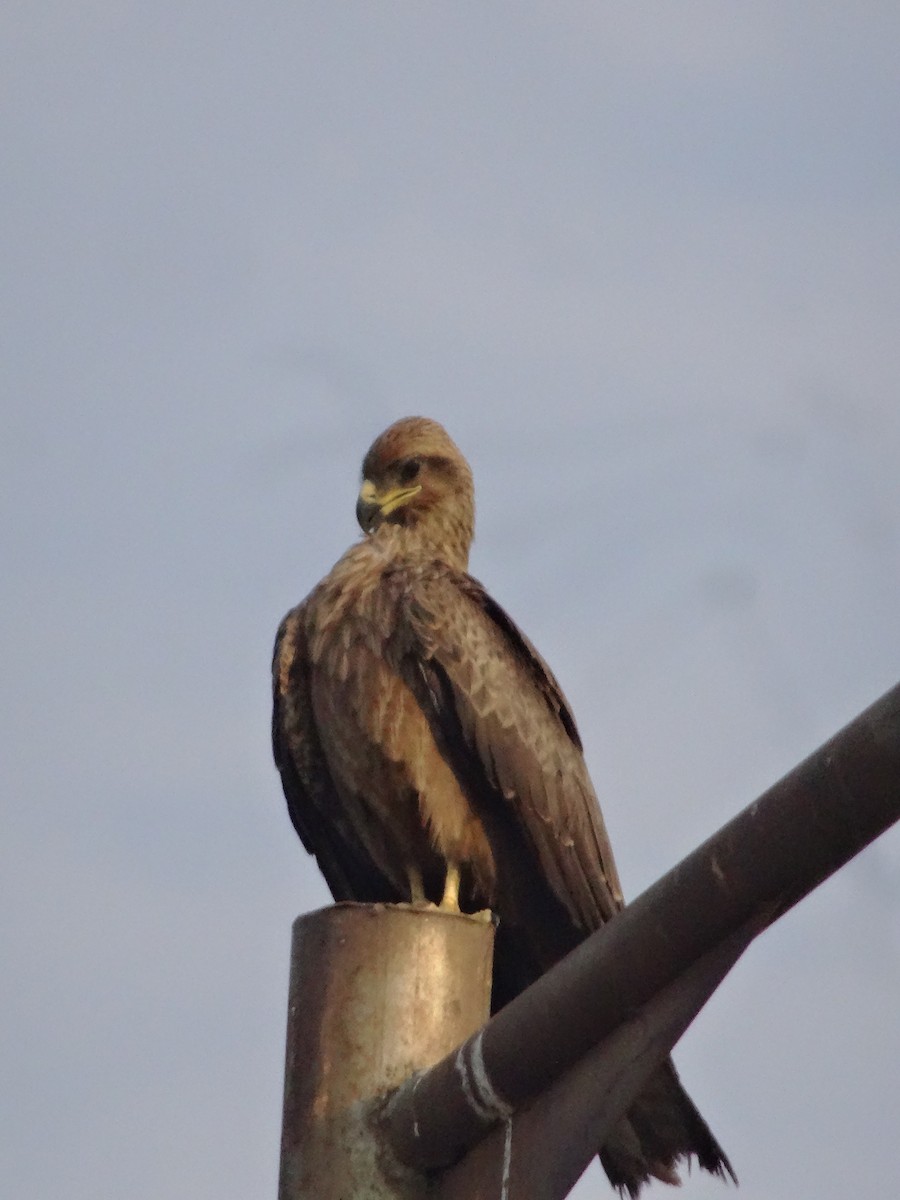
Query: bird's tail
{"type": "Point", "coordinates": [661, 1129]}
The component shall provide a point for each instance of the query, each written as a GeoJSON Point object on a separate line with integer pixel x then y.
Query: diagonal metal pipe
{"type": "Point", "coordinates": [749, 873]}
{"type": "Point", "coordinates": [541, 1152]}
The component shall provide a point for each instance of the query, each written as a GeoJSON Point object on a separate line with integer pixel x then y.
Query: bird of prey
{"type": "Point", "coordinates": [428, 754]}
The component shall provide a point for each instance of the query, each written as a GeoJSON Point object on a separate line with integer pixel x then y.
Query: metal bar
{"type": "Point", "coordinates": [376, 993]}
{"type": "Point", "coordinates": [540, 1153]}
{"type": "Point", "coordinates": [755, 868]}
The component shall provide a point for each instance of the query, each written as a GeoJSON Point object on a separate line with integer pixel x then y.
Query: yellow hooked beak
{"type": "Point", "coordinates": [372, 507]}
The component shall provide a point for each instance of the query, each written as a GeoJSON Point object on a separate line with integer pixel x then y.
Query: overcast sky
{"type": "Point", "coordinates": [643, 260]}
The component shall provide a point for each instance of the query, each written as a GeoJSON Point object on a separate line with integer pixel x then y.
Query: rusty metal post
{"type": "Point", "coordinates": [376, 993]}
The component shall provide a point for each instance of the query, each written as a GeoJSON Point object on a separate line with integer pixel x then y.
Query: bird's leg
{"type": "Point", "coordinates": [450, 899]}
{"type": "Point", "coordinates": [416, 886]}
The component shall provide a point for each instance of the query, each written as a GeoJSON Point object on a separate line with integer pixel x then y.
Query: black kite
{"type": "Point", "coordinates": [428, 754]}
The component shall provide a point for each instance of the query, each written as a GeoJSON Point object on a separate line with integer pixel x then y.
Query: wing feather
{"type": "Point", "coordinates": [314, 803]}
{"type": "Point", "coordinates": [504, 722]}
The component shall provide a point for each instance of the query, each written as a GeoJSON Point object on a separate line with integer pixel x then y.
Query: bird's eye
{"type": "Point", "coordinates": [410, 470]}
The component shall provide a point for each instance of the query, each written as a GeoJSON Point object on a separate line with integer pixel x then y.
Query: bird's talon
{"type": "Point", "coordinates": [484, 915]}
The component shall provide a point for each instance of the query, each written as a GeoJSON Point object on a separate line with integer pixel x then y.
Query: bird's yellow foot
{"type": "Point", "coordinates": [417, 897]}
{"type": "Point", "coordinates": [450, 898]}
{"type": "Point", "coordinates": [484, 915]}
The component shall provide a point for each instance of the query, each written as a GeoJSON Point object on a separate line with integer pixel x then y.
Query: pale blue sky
{"type": "Point", "coordinates": [643, 260]}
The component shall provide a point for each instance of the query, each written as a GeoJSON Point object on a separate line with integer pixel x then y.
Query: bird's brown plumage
{"type": "Point", "coordinates": [418, 732]}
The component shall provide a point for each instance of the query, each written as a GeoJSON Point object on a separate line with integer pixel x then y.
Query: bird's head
{"type": "Point", "coordinates": [415, 476]}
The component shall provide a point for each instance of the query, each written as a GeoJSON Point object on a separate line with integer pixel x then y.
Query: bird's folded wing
{"type": "Point", "coordinates": [315, 806]}
{"type": "Point", "coordinates": [502, 720]}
